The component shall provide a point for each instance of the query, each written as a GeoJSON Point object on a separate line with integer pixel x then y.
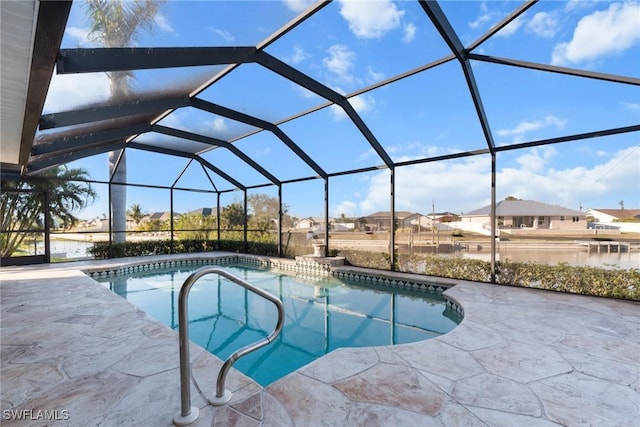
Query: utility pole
{"type": "Point", "coordinates": [433, 221]}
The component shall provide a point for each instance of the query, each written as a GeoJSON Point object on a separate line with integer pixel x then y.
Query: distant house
{"type": "Point", "coordinates": [310, 223]}
{"type": "Point", "coordinates": [202, 212]}
{"type": "Point", "coordinates": [380, 221]}
{"type": "Point", "coordinates": [440, 217]}
{"type": "Point", "coordinates": [157, 216]}
{"type": "Point", "coordinates": [612, 215]}
{"type": "Point", "coordinates": [94, 224]}
{"type": "Point", "coordinates": [340, 225]}
{"type": "Point", "coordinates": [529, 214]}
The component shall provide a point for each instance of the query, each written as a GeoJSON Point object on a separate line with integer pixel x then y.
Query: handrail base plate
{"type": "Point", "coordinates": [218, 401]}
{"type": "Point", "coordinates": [181, 420]}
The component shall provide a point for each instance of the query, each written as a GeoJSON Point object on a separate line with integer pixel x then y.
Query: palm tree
{"type": "Point", "coordinates": [135, 213]}
{"type": "Point", "coordinates": [22, 210]}
{"type": "Point", "coordinates": [117, 23]}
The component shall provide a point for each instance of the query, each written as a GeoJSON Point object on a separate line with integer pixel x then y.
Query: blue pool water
{"type": "Point", "coordinates": [320, 316]}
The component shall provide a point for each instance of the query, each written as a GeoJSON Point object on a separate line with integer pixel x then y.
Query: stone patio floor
{"type": "Point", "coordinates": [74, 351]}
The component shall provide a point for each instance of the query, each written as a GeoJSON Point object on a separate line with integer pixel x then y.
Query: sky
{"type": "Point", "coordinates": [350, 45]}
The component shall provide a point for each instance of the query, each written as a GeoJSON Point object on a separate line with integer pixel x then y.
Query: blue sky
{"type": "Point", "coordinates": [354, 44]}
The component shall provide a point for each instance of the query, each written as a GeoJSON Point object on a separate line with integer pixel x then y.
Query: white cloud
{"type": "Point", "coordinates": [633, 106]}
{"type": "Point", "coordinates": [262, 152]}
{"type": "Point", "coordinates": [573, 5]}
{"type": "Point", "coordinates": [214, 127]}
{"type": "Point", "coordinates": [340, 62]}
{"type": "Point", "coordinates": [367, 154]}
{"type": "Point", "coordinates": [371, 19]}
{"type": "Point", "coordinates": [543, 24]}
{"type": "Point", "coordinates": [525, 127]}
{"type": "Point", "coordinates": [227, 36]}
{"type": "Point", "coordinates": [464, 185]}
{"type": "Point", "coordinates": [298, 5]}
{"type": "Point", "coordinates": [81, 35]}
{"type": "Point", "coordinates": [461, 185]}
{"type": "Point", "coordinates": [572, 186]}
{"type": "Point", "coordinates": [416, 149]}
{"type": "Point", "coordinates": [162, 23]}
{"type": "Point", "coordinates": [361, 103]}
{"type": "Point", "coordinates": [409, 31]}
{"type": "Point", "coordinates": [536, 159]}
{"type": "Point", "coordinates": [602, 33]}
{"type": "Point", "coordinates": [482, 19]}
{"type": "Point", "coordinates": [70, 91]}
{"type": "Point", "coordinates": [175, 119]}
{"type": "Point", "coordinates": [348, 208]}
{"type": "Point", "coordinates": [306, 93]}
{"type": "Point", "coordinates": [511, 27]}
{"type": "Point", "coordinates": [374, 76]}
{"type": "Point", "coordinates": [219, 124]}
{"type": "Point", "coordinates": [485, 17]}
{"type": "Point", "coordinates": [297, 56]}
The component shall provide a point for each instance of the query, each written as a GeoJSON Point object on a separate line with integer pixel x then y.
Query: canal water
{"type": "Point", "coordinates": [78, 250]}
{"type": "Point", "coordinates": [575, 257]}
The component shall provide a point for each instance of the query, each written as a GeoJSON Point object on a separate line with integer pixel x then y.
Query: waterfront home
{"type": "Point", "coordinates": [529, 215]}
{"type": "Point", "coordinates": [379, 221]}
{"type": "Point", "coordinates": [613, 215]}
{"type": "Point", "coordinates": [310, 223]}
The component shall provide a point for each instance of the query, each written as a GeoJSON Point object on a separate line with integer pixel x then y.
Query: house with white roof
{"type": "Point", "coordinates": [612, 215]}
{"type": "Point", "coordinates": [310, 223]}
{"type": "Point", "coordinates": [529, 215]}
{"type": "Point", "coordinates": [380, 221]}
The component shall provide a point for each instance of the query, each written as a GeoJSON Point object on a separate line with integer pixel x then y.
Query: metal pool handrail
{"type": "Point", "coordinates": [189, 414]}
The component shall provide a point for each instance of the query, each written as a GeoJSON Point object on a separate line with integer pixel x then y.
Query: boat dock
{"type": "Point", "coordinates": [610, 246]}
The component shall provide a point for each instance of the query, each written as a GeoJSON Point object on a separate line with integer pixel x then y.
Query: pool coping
{"type": "Point", "coordinates": [520, 356]}
{"type": "Point", "coordinates": [307, 267]}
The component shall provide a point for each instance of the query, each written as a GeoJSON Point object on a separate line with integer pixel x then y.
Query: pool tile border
{"type": "Point", "coordinates": [303, 267]}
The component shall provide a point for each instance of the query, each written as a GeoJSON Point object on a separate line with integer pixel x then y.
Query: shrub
{"type": "Point", "coordinates": [104, 250]}
{"type": "Point", "coordinates": [586, 280]}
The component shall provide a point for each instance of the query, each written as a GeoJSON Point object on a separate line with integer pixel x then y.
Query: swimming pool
{"type": "Point", "coordinates": [321, 314]}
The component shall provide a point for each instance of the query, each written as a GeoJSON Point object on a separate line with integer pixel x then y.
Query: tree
{"type": "Point", "coordinates": [135, 213]}
{"type": "Point", "coordinates": [194, 226]}
{"type": "Point", "coordinates": [21, 211]}
{"type": "Point", "coordinates": [117, 23]}
{"type": "Point", "coordinates": [154, 225]}
{"type": "Point", "coordinates": [264, 211]}
{"type": "Point", "coordinates": [232, 216]}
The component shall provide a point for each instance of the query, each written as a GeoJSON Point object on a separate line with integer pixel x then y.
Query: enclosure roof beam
{"type": "Point", "coordinates": [303, 16]}
{"type": "Point", "coordinates": [259, 123]}
{"type": "Point", "coordinates": [218, 143]}
{"type": "Point", "coordinates": [569, 138]}
{"type": "Point", "coordinates": [95, 60]}
{"type": "Point", "coordinates": [107, 112]}
{"type": "Point", "coordinates": [45, 161]}
{"type": "Point", "coordinates": [283, 69]}
{"type": "Point", "coordinates": [288, 72]}
{"type": "Point", "coordinates": [555, 69]}
{"type": "Point", "coordinates": [49, 29]}
{"type": "Point", "coordinates": [9, 171]}
{"type": "Point", "coordinates": [442, 24]}
{"type": "Point", "coordinates": [178, 153]}
{"type": "Point", "coordinates": [66, 144]}
{"type": "Point", "coordinates": [500, 25]}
